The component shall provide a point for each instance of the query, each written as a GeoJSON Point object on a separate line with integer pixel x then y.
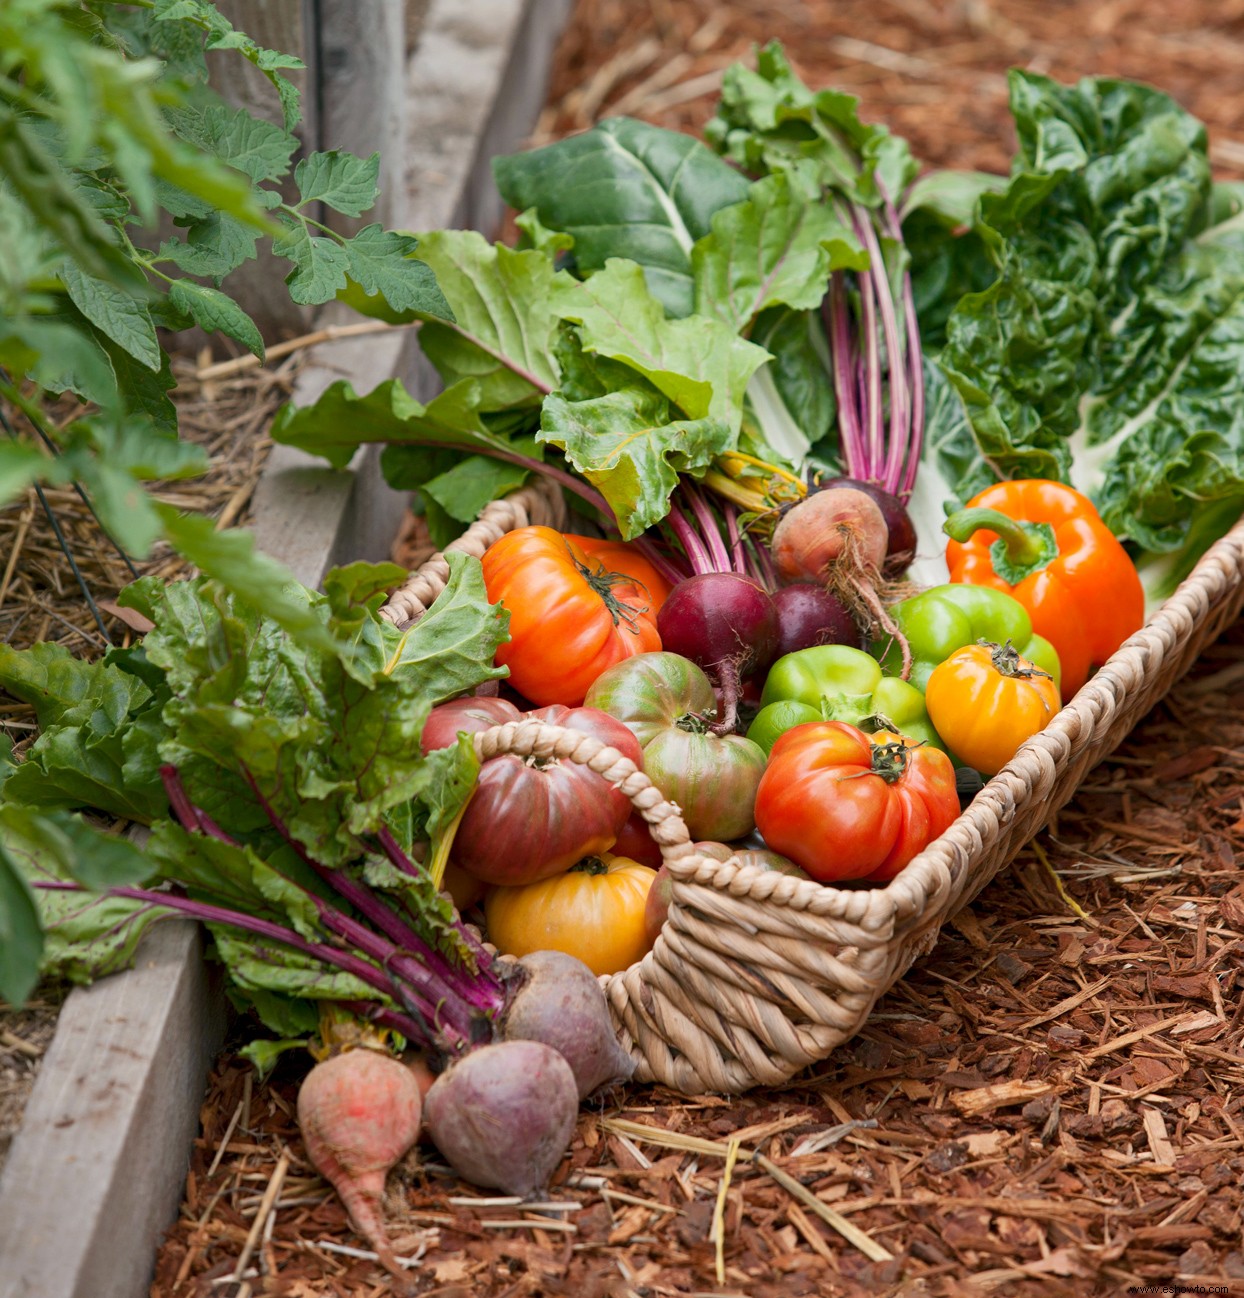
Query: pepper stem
{"type": "Point", "coordinates": [1021, 549]}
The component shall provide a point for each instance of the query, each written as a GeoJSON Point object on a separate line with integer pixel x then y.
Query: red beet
{"type": "Point", "coordinates": [810, 615]}
{"type": "Point", "coordinates": [503, 1115]}
{"type": "Point", "coordinates": [725, 623]}
{"type": "Point", "coordinates": [562, 1005]}
{"type": "Point", "coordinates": [359, 1113]}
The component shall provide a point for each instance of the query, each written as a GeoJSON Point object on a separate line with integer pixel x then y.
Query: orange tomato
{"type": "Point", "coordinates": [570, 616]}
{"type": "Point", "coordinates": [594, 911]}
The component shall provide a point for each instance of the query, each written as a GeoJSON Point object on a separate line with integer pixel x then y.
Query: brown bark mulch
{"type": "Point", "coordinates": [1051, 1103]}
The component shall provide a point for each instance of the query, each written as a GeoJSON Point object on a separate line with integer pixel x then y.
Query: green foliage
{"type": "Point", "coordinates": [300, 748]}
{"type": "Point", "coordinates": [1108, 347]}
{"type": "Point", "coordinates": [107, 122]}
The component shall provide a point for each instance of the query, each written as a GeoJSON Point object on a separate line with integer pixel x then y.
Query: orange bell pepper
{"type": "Point", "coordinates": [1045, 544]}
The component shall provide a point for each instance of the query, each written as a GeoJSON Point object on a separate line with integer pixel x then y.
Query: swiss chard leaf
{"type": "Point", "coordinates": [701, 365]}
{"type": "Point", "coordinates": [626, 189]}
{"type": "Point", "coordinates": [1109, 347]}
{"type": "Point", "coordinates": [776, 248]}
{"type": "Point", "coordinates": [631, 448]}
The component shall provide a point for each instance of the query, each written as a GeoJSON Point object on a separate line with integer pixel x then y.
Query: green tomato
{"type": "Point", "coordinates": [837, 683]}
{"type": "Point", "coordinates": [938, 621]}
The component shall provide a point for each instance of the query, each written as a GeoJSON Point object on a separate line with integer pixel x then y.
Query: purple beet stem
{"type": "Point", "coordinates": [346, 961]}
{"type": "Point", "coordinates": [452, 989]}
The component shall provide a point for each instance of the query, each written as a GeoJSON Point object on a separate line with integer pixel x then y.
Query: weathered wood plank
{"type": "Point", "coordinates": [361, 86]}
{"type": "Point", "coordinates": [95, 1173]}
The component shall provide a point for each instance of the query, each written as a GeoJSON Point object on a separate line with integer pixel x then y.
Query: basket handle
{"type": "Point", "coordinates": [539, 503]}
{"type": "Point", "coordinates": [533, 738]}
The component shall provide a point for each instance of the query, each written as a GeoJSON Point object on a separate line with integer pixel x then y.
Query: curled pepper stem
{"type": "Point", "coordinates": [1021, 549]}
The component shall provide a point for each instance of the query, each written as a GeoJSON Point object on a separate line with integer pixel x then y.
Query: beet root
{"type": "Point", "coordinates": [359, 1113]}
{"type": "Point", "coordinates": [504, 1114]}
{"type": "Point", "coordinates": [562, 1005]}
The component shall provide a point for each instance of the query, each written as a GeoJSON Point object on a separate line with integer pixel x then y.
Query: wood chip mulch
{"type": "Point", "coordinates": [1050, 1103]}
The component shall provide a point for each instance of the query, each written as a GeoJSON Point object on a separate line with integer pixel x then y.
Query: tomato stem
{"type": "Point", "coordinates": [589, 865]}
{"type": "Point", "coordinates": [1007, 662]}
{"type": "Point", "coordinates": [890, 760]}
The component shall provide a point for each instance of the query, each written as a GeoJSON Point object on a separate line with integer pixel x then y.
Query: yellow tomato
{"type": "Point", "coordinates": [985, 701]}
{"type": "Point", "coordinates": [594, 911]}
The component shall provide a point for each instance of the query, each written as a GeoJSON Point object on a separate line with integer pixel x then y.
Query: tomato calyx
{"type": "Point", "coordinates": [589, 865]}
{"type": "Point", "coordinates": [602, 582]}
{"type": "Point", "coordinates": [874, 722]}
{"type": "Point", "coordinates": [1007, 661]}
{"type": "Point", "coordinates": [890, 760]}
{"type": "Point", "coordinates": [697, 723]}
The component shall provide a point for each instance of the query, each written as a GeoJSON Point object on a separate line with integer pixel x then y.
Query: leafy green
{"type": "Point", "coordinates": [768, 121]}
{"type": "Point", "coordinates": [85, 935]}
{"type": "Point", "coordinates": [1109, 348]}
{"type": "Point", "coordinates": [776, 248]}
{"type": "Point", "coordinates": [626, 189]}
{"type": "Point", "coordinates": [700, 364]}
{"type": "Point", "coordinates": [631, 448]}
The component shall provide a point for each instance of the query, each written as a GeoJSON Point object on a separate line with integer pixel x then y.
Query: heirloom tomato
{"type": "Point", "coordinates": [531, 818]}
{"type": "Point", "coordinates": [594, 910]}
{"type": "Point", "coordinates": [668, 703]}
{"type": "Point", "coordinates": [985, 701]}
{"type": "Point", "coordinates": [570, 616]}
{"type": "Point", "coordinates": [846, 805]}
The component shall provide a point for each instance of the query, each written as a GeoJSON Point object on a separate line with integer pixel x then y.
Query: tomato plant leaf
{"type": "Point", "coordinates": [346, 183]}
{"type": "Point", "coordinates": [320, 264]}
{"type": "Point", "coordinates": [381, 263]}
{"type": "Point", "coordinates": [115, 312]}
{"type": "Point", "coordinates": [213, 310]}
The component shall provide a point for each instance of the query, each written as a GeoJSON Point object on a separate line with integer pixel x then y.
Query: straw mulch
{"type": "Point", "coordinates": [41, 599]}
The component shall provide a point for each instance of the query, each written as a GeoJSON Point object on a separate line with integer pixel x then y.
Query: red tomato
{"type": "Point", "coordinates": [843, 806]}
{"type": "Point", "coordinates": [623, 557]}
{"type": "Point", "coordinates": [570, 617]}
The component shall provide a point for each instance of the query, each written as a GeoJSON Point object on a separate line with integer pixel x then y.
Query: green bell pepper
{"type": "Point", "coordinates": [834, 682]}
{"type": "Point", "coordinates": [938, 621]}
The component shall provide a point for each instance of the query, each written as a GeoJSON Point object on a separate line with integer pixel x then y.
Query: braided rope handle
{"type": "Point", "coordinates": [539, 503]}
{"type": "Point", "coordinates": [739, 989]}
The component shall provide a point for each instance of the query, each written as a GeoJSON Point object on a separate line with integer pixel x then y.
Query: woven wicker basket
{"type": "Point", "coordinates": [756, 975]}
